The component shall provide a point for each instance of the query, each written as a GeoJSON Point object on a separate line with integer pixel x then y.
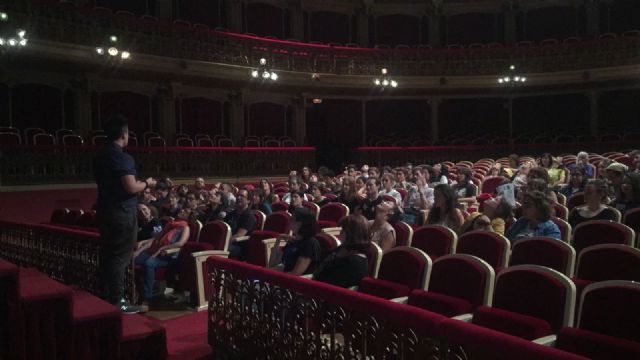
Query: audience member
{"type": "Point", "coordinates": [316, 193]}
{"type": "Point", "coordinates": [302, 252]}
{"type": "Point", "coordinates": [267, 188]}
{"type": "Point", "coordinates": [629, 195]}
{"type": "Point", "coordinates": [294, 187]}
{"type": "Point", "coordinates": [595, 196]}
{"type": "Point", "coordinates": [445, 211]}
{"type": "Point", "coordinates": [348, 195]}
{"type": "Point", "coordinates": [536, 218]}
{"type": "Point", "coordinates": [557, 173]}
{"type": "Point", "coordinates": [419, 197]}
{"type": "Point", "coordinates": [582, 160]}
{"type": "Point", "coordinates": [615, 174]}
{"type": "Point", "coordinates": [258, 202]}
{"type": "Point", "coordinates": [382, 233]}
{"type": "Point", "coordinates": [374, 172]}
{"type": "Point", "coordinates": [387, 188]}
{"type": "Point", "coordinates": [361, 191]}
{"type": "Point", "coordinates": [577, 182]}
{"type": "Point", "coordinates": [401, 177]}
{"type": "Point", "coordinates": [367, 207]}
{"type": "Point", "coordinates": [347, 264]}
{"type": "Point", "coordinates": [464, 188]}
{"type": "Point", "coordinates": [242, 221]}
{"type": "Point", "coordinates": [148, 225]}
{"type": "Point", "coordinates": [215, 208]}
{"type": "Point", "coordinates": [297, 200]}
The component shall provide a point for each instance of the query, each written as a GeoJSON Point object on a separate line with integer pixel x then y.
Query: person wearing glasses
{"type": "Point", "coordinates": [535, 220]}
{"type": "Point", "coordinates": [242, 222]}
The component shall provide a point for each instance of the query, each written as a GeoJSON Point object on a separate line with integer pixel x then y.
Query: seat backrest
{"type": "Point", "coordinates": [72, 140]}
{"type": "Point", "coordinates": [257, 250]}
{"type": "Point", "coordinates": [10, 138]}
{"type": "Point", "coordinates": [44, 139]}
{"type": "Point", "coordinates": [488, 246]}
{"type": "Point", "coordinates": [403, 193]}
{"type": "Point", "coordinates": [632, 219]}
{"type": "Point", "coordinates": [565, 228]}
{"type": "Point", "coordinates": [374, 257]}
{"type": "Point", "coordinates": [277, 222]}
{"type": "Point", "coordinates": [194, 230]}
{"type": "Point", "coordinates": [333, 212]}
{"type": "Point", "coordinates": [435, 240]}
{"type": "Point", "coordinates": [73, 216]}
{"type": "Point", "coordinates": [536, 291]}
{"type": "Point", "coordinates": [156, 141]}
{"type": "Point", "coordinates": [595, 232]}
{"type": "Point", "coordinates": [185, 142]}
{"type": "Point", "coordinates": [574, 200]}
{"type": "Point", "coordinates": [58, 216]}
{"type": "Point", "coordinates": [490, 184]}
{"type": "Point", "coordinates": [463, 276]}
{"type": "Point", "coordinates": [260, 219]}
{"type": "Point", "coordinates": [404, 233]}
{"type": "Point", "coordinates": [315, 209]}
{"type": "Point", "coordinates": [217, 233]}
{"type": "Point", "coordinates": [88, 219]}
{"type": "Point", "coordinates": [561, 211]}
{"type": "Point", "coordinates": [205, 142]}
{"type": "Point", "coordinates": [406, 265]}
{"type": "Point", "coordinates": [611, 308]}
{"type": "Point", "coordinates": [280, 206]}
{"type": "Point", "coordinates": [327, 242]}
{"type": "Point", "coordinates": [544, 251]}
{"type": "Point", "coordinates": [609, 262]}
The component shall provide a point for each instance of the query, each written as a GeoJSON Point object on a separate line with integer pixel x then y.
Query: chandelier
{"type": "Point", "coordinates": [9, 37]}
{"type": "Point", "coordinates": [512, 78]}
{"type": "Point", "coordinates": [385, 80]}
{"type": "Point", "coordinates": [110, 51]}
{"type": "Point", "coordinates": [263, 72]}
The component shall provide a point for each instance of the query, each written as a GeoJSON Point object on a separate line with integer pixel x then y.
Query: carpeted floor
{"type": "Point", "coordinates": [187, 336]}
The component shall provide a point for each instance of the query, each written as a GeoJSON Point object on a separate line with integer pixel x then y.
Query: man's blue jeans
{"type": "Point", "coordinates": [150, 264]}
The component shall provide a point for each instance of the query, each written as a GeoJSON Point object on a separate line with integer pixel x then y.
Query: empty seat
{"type": "Point", "coordinates": [491, 183]}
{"type": "Point", "coordinates": [72, 140]}
{"type": "Point", "coordinates": [315, 209]}
{"type": "Point", "coordinates": [44, 139]}
{"type": "Point", "coordinates": [607, 262]}
{"type": "Point", "coordinates": [330, 214]}
{"type": "Point", "coordinates": [530, 302]}
{"type": "Point", "coordinates": [402, 269]}
{"type": "Point", "coordinates": [327, 242]}
{"type": "Point", "coordinates": [435, 240]}
{"type": "Point", "coordinates": [156, 141]}
{"type": "Point", "coordinates": [488, 246]}
{"type": "Point", "coordinates": [458, 284]}
{"type": "Point", "coordinates": [404, 233]}
{"type": "Point", "coordinates": [544, 251]}
{"type": "Point", "coordinates": [10, 138]}
{"type": "Point", "coordinates": [595, 232]}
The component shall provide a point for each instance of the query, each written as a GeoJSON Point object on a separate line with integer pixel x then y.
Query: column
{"type": "Point", "coordinates": [234, 15]}
{"type": "Point", "coordinates": [363, 27]}
{"type": "Point", "coordinates": [435, 111]}
{"type": "Point", "coordinates": [166, 113]}
{"type": "Point", "coordinates": [296, 22]}
{"type": "Point", "coordinates": [363, 122]}
{"type": "Point", "coordinates": [510, 26]}
{"type": "Point", "coordinates": [237, 110]}
{"type": "Point", "coordinates": [434, 30]}
{"type": "Point", "coordinates": [299, 121]}
{"type": "Point", "coordinates": [63, 111]}
{"type": "Point", "coordinates": [164, 10]}
{"type": "Point", "coordinates": [592, 11]}
{"type": "Point", "coordinates": [594, 110]}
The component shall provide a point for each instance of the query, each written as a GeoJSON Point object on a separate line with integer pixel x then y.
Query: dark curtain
{"type": "Point", "coordinates": [549, 23]}
{"type": "Point", "coordinates": [134, 107]}
{"type": "Point", "coordinates": [37, 105]}
{"type": "Point", "coordinates": [473, 118]}
{"type": "Point", "coordinates": [198, 11]}
{"type": "Point", "coordinates": [329, 26]}
{"type": "Point", "coordinates": [404, 118]}
{"type": "Point", "coordinates": [620, 111]}
{"type": "Point", "coordinates": [266, 119]}
{"type": "Point", "coordinates": [4, 105]}
{"type": "Point", "coordinates": [398, 29]}
{"type": "Point", "coordinates": [552, 114]}
{"type": "Point", "coordinates": [471, 28]}
{"type": "Point", "coordinates": [623, 15]}
{"type": "Point", "coordinates": [264, 20]}
{"type": "Point", "coordinates": [201, 116]}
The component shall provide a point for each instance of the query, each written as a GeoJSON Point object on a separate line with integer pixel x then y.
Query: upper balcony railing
{"type": "Point", "coordinates": [148, 35]}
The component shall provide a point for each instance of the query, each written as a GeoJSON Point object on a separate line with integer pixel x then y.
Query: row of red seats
{"type": "Point", "coordinates": [47, 319]}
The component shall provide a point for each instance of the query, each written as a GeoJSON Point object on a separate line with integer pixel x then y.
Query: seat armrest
{"type": "Point", "coordinates": [307, 276]}
{"type": "Point", "coordinates": [242, 238]}
{"type": "Point", "coordinates": [354, 288]}
{"type": "Point", "coordinates": [549, 340]}
{"type": "Point", "coordinates": [200, 257]}
{"type": "Point", "coordinates": [401, 300]}
{"type": "Point", "coordinates": [464, 317]}
{"type": "Point", "coordinates": [172, 251]}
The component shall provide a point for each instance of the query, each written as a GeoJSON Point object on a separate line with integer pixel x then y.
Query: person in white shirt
{"type": "Point", "coordinates": [294, 187]}
{"type": "Point", "coordinates": [387, 188]}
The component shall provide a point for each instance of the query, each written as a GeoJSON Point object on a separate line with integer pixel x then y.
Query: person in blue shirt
{"type": "Point", "coordinates": [535, 220]}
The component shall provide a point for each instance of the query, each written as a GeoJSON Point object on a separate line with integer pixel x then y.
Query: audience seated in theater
{"type": "Point", "coordinates": [258, 201]}
{"type": "Point", "coordinates": [267, 188]}
{"type": "Point", "coordinates": [364, 171]}
{"type": "Point", "coordinates": [595, 196]}
{"type": "Point", "coordinates": [445, 211]}
{"type": "Point", "coordinates": [152, 253]}
{"type": "Point", "coordinates": [367, 207]}
{"type": "Point", "coordinates": [514, 165]}
{"type": "Point", "coordinates": [161, 195]}
{"type": "Point", "coordinates": [438, 175]}
{"type": "Point", "coordinates": [215, 208]}
{"type": "Point", "coordinates": [557, 173]}
{"type": "Point", "coordinates": [374, 172]}
{"type": "Point", "coordinates": [147, 197]}
{"type": "Point", "coordinates": [629, 197]}
{"type": "Point", "coordinates": [419, 197]}
{"type": "Point", "coordinates": [327, 176]}
{"type": "Point", "coordinates": [305, 174]}
{"type": "Point", "coordinates": [351, 171]}
{"type": "Point", "coordinates": [348, 264]}
{"type": "Point", "coordinates": [148, 225]}
{"type": "Point", "coordinates": [242, 222]}
{"type": "Point", "coordinates": [198, 184]}
{"type": "Point", "coordinates": [173, 207]}
{"type": "Point", "coordinates": [577, 182]}
{"type": "Point", "coordinates": [193, 203]}
{"type": "Point", "coordinates": [540, 176]}
{"type": "Point", "coordinates": [361, 191]}
{"type": "Point", "coordinates": [301, 254]}
{"type": "Point", "coordinates": [387, 188]}
{"type": "Point", "coordinates": [463, 188]}
{"type": "Point", "coordinates": [494, 215]}
{"type": "Point", "coordinates": [536, 218]}
{"type": "Point", "coordinates": [401, 179]}
{"type": "Point", "coordinates": [382, 233]}
{"type": "Point", "coordinates": [522, 175]}
{"type": "Point", "coordinates": [537, 184]}
{"type": "Point", "coordinates": [316, 192]}
{"type": "Point", "coordinates": [297, 200]}
{"type": "Point", "coordinates": [615, 175]}
{"type": "Point", "coordinates": [294, 187]}
{"type": "Point", "coordinates": [582, 160]}
{"type": "Point", "coordinates": [348, 195]}
{"type": "Point", "coordinates": [602, 169]}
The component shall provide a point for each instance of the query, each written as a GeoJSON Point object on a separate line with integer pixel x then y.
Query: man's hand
{"type": "Point", "coordinates": [151, 182]}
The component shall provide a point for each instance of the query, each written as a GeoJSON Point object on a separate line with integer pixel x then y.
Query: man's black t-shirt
{"type": "Point", "coordinates": [241, 220]}
{"type": "Point", "coordinates": [109, 167]}
{"type": "Point", "coordinates": [368, 207]}
{"type": "Point", "coordinates": [149, 230]}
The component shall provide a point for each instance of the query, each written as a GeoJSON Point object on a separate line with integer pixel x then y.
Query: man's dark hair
{"type": "Point", "coordinates": [162, 186]}
{"type": "Point", "coordinates": [115, 127]}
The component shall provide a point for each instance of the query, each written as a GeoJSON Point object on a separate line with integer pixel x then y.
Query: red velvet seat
{"type": "Point", "coordinates": [489, 184]}
{"type": "Point", "coordinates": [458, 285]}
{"type": "Point", "coordinates": [561, 211]}
{"type": "Point", "coordinates": [529, 301]}
{"type": "Point", "coordinates": [280, 206]}
{"type": "Point", "coordinates": [327, 243]}
{"type": "Point", "coordinates": [88, 219]}
{"type": "Point", "coordinates": [488, 246]}
{"type": "Point", "coordinates": [544, 251]}
{"type": "Point", "coordinates": [596, 232]}
{"type": "Point", "coordinates": [607, 262]}
{"type": "Point", "coordinates": [608, 326]}
{"type": "Point", "coordinates": [315, 209]}
{"type": "Point", "coordinates": [10, 138]}
{"type": "Point", "coordinates": [402, 269]}
{"type": "Point", "coordinates": [404, 233]}
{"type": "Point", "coordinates": [72, 217]}
{"type": "Point", "coordinates": [330, 214]}
{"type": "Point", "coordinates": [260, 219]}
{"type": "Point", "coordinates": [632, 219]}
{"type": "Point", "coordinates": [277, 223]}
{"type": "Point", "coordinates": [574, 200]}
{"type": "Point", "coordinates": [435, 240]}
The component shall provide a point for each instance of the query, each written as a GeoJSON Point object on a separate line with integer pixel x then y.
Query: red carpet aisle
{"type": "Point", "coordinates": [187, 336]}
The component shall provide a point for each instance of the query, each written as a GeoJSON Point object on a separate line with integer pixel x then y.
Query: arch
{"type": "Point", "coordinates": [398, 29]}
{"type": "Point", "coordinates": [329, 26]}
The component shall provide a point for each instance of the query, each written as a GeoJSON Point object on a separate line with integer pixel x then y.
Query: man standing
{"type": "Point", "coordinates": [115, 174]}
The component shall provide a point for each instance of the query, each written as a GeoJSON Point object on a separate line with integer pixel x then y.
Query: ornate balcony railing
{"type": "Point", "coordinates": [255, 313]}
{"type": "Point", "coordinates": [86, 27]}
{"type": "Point", "coordinates": [21, 165]}
{"type": "Point", "coordinates": [68, 255]}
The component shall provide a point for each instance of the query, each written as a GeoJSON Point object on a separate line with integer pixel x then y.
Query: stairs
{"type": "Point", "coordinates": [41, 318]}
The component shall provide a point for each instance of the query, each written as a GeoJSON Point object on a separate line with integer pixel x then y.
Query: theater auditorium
{"type": "Point", "coordinates": [320, 179]}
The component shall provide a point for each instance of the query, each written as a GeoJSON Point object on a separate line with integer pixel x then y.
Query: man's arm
{"type": "Point", "coordinates": [133, 186]}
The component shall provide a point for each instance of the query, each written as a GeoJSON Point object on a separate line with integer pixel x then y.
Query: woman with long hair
{"type": "Point", "coordinates": [267, 188]}
{"type": "Point", "coordinates": [595, 197]}
{"type": "Point", "coordinates": [302, 252]}
{"type": "Point", "coordinates": [349, 195]}
{"type": "Point", "coordinates": [445, 211]}
{"type": "Point", "coordinates": [382, 233]}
